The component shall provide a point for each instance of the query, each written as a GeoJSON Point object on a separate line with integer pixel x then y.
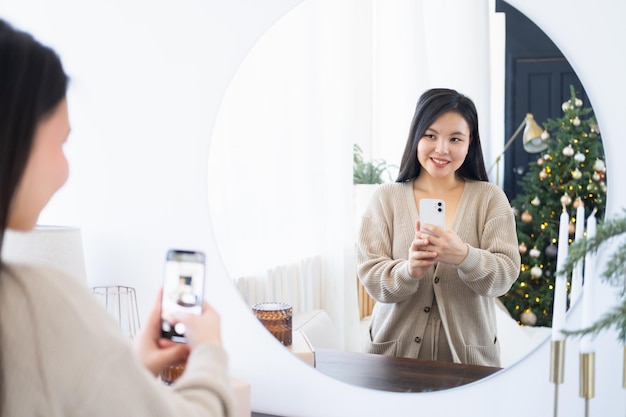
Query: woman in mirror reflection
{"type": "Point", "coordinates": [61, 353]}
{"type": "Point", "coordinates": [436, 287]}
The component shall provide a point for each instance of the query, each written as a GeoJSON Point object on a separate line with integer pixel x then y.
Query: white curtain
{"type": "Point", "coordinates": [329, 74]}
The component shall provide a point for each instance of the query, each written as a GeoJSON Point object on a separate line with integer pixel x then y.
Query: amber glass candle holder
{"type": "Point", "coordinates": [277, 319]}
{"type": "Point", "coordinates": [172, 373]}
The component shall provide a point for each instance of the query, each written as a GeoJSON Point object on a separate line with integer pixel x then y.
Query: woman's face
{"type": "Point", "coordinates": [46, 170]}
{"type": "Point", "coordinates": [442, 149]}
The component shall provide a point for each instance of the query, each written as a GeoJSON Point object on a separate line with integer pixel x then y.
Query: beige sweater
{"type": "Point", "coordinates": [64, 355]}
{"type": "Point", "coordinates": [464, 294]}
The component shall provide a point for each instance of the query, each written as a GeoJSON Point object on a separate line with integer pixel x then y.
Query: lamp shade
{"type": "Point", "coordinates": [58, 247]}
{"type": "Point", "coordinates": [532, 140]}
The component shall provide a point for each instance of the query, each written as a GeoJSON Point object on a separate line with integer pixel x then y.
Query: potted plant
{"type": "Point", "coordinates": [368, 172]}
{"type": "Point", "coordinates": [366, 176]}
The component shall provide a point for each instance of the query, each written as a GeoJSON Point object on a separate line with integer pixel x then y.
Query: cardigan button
{"type": "Point", "coordinates": [436, 280]}
{"type": "Point", "coordinates": [418, 339]}
{"type": "Point", "coordinates": [427, 309]}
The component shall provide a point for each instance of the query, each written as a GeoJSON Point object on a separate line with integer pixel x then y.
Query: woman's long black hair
{"type": "Point", "coordinates": [32, 84]}
{"type": "Point", "coordinates": [432, 104]}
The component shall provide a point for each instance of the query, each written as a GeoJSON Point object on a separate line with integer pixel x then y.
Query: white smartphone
{"type": "Point", "coordinates": [183, 290]}
{"type": "Point", "coordinates": [432, 211]}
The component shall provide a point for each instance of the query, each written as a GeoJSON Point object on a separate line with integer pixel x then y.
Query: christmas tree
{"type": "Point", "coordinates": [570, 172]}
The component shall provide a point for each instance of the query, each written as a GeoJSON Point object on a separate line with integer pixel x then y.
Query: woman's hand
{"type": "Point", "coordinates": [420, 258]}
{"type": "Point", "coordinates": [155, 352]}
{"type": "Point", "coordinates": [204, 328]}
{"type": "Point", "coordinates": [449, 247]}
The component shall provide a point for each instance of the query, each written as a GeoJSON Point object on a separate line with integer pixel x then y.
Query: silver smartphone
{"type": "Point", "coordinates": [183, 290]}
{"type": "Point", "coordinates": [432, 211]}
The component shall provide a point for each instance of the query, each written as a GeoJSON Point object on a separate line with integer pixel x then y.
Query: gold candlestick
{"type": "Point", "coordinates": [557, 359]}
{"type": "Point", "coordinates": [624, 371]}
{"type": "Point", "coordinates": [587, 378]}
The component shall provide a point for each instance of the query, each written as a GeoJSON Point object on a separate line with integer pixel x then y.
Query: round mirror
{"type": "Point", "coordinates": [327, 76]}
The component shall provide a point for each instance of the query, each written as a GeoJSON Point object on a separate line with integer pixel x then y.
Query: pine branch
{"type": "Point", "coordinates": [615, 318]}
{"type": "Point", "coordinates": [606, 231]}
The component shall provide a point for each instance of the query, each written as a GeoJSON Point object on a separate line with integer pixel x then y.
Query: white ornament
{"type": "Point", "coordinates": [599, 165]}
{"type": "Point", "coordinates": [578, 102]}
{"type": "Point", "coordinates": [565, 106]}
{"type": "Point", "coordinates": [576, 174]}
{"type": "Point", "coordinates": [576, 121]}
{"type": "Point", "coordinates": [534, 253]}
{"type": "Point", "coordinates": [535, 201]}
{"type": "Point", "coordinates": [566, 200]}
{"type": "Point", "coordinates": [545, 135]}
{"type": "Point", "coordinates": [579, 157]}
{"type": "Point", "coordinates": [528, 318]}
{"type": "Point", "coordinates": [595, 176]}
{"type": "Point", "coordinates": [568, 150]}
{"type": "Point", "coordinates": [536, 272]}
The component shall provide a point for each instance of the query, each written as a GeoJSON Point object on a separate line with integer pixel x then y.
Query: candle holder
{"type": "Point", "coordinates": [277, 319]}
{"type": "Point", "coordinates": [587, 378]}
{"type": "Point", "coordinates": [557, 359]}
{"type": "Point", "coordinates": [121, 302]}
{"type": "Point", "coordinates": [624, 370]}
{"type": "Point", "coordinates": [170, 374]}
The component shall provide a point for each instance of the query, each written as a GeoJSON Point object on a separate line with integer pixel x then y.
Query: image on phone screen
{"type": "Point", "coordinates": [183, 289]}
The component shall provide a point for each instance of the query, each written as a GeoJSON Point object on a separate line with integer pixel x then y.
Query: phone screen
{"type": "Point", "coordinates": [183, 289]}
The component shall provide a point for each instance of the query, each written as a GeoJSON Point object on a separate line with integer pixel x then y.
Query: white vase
{"type": "Point", "coordinates": [362, 194]}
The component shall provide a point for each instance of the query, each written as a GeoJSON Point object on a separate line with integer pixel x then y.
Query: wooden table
{"type": "Point", "coordinates": [388, 373]}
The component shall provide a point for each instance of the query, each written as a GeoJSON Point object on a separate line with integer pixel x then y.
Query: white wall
{"type": "Point", "coordinates": [147, 81]}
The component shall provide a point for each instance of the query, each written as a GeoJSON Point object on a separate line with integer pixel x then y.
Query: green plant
{"type": "Point", "coordinates": [614, 273]}
{"type": "Point", "coordinates": [368, 172]}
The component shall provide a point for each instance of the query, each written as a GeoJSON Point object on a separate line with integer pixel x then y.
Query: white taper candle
{"type": "Point", "coordinates": [586, 344]}
{"type": "Point", "coordinates": [560, 280]}
{"type": "Point", "coordinates": [577, 274]}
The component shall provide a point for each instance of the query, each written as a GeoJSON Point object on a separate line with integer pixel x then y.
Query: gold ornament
{"type": "Point", "coordinates": [522, 248]}
{"type": "Point", "coordinates": [571, 229]}
{"type": "Point", "coordinates": [527, 217]}
{"type": "Point", "coordinates": [578, 202]}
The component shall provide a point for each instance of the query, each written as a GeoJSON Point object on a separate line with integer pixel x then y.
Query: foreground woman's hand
{"type": "Point", "coordinates": [155, 352]}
